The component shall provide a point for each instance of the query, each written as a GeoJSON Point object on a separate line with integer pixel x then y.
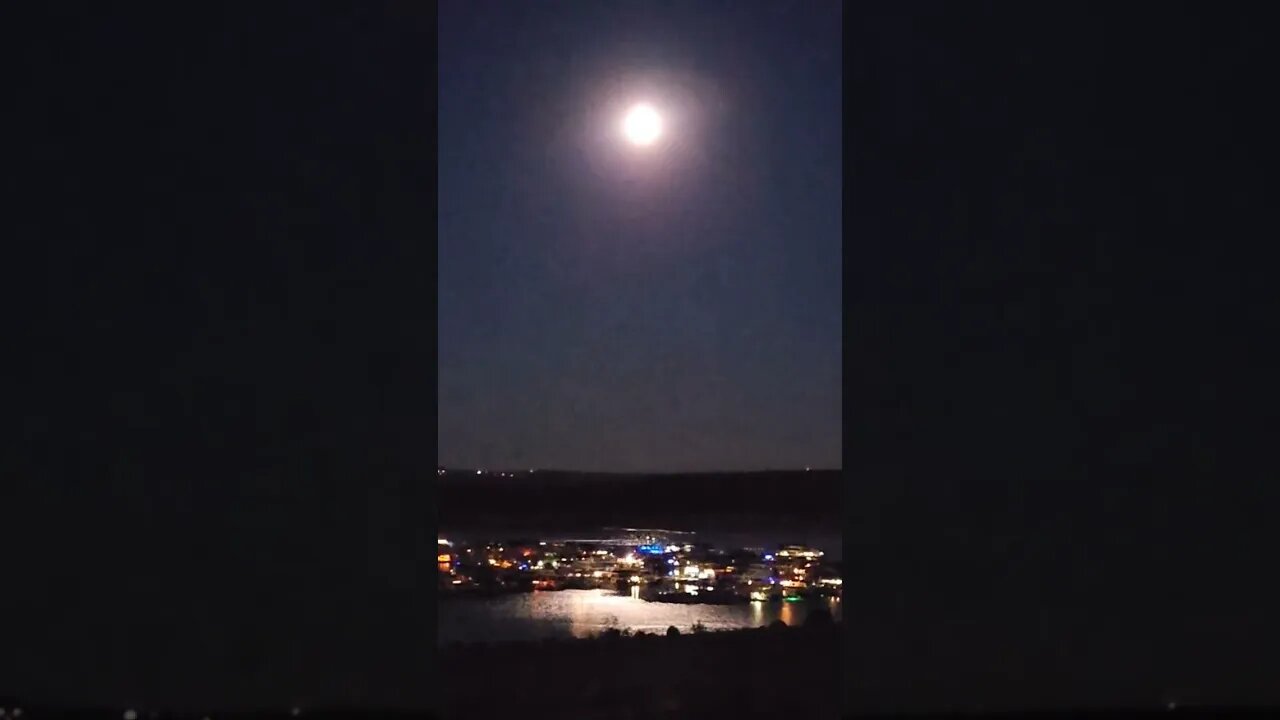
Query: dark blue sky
{"type": "Point", "coordinates": [609, 308]}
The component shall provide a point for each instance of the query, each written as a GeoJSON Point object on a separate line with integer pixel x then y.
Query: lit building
{"type": "Point", "coordinates": [793, 552]}
{"type": "Point", "coordinates": [444, 556]}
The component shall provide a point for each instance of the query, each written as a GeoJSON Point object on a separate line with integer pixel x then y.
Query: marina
{"type": "Point", "coordinates": [631, 581]}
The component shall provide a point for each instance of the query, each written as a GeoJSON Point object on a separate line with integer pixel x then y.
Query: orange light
{"type": "Point", "coordinates": [443, 557]}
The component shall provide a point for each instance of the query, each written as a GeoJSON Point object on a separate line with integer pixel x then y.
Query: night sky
{"type": "Point", "coordinates": [1054, 281]}
{"type": "Point", "coordinates": [604, 307]}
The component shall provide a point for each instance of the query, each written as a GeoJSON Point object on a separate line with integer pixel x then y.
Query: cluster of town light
{"type": "Point", "coordinates": [690, 577]}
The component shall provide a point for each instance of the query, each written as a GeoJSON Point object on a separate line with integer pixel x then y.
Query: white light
{"type": "Point", "coordinates": [642, 125]}
{"type": "Point", "coordinates": [130, 715]}
{"type": "Point", "coordinates": [295, 712]}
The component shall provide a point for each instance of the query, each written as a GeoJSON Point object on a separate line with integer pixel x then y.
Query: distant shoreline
{"type": "Point", "coordinates": [446, 474]}
{"type": "Point", "coordinates": [496, 471]}
{"type": "Point", "coordinates": [763, 501]}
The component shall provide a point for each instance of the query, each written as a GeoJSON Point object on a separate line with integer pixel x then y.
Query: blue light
{"type": "Point", "coordinates": [650, 549]}
{"type": "Point", "coordinates": [768, 557]}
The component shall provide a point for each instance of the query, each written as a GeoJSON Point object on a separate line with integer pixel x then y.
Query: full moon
{"type": "Point", "coordinates": [642, 125]}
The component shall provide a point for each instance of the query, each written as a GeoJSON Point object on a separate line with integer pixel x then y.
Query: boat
{"type": "Point", "coordinates": [684, 597]}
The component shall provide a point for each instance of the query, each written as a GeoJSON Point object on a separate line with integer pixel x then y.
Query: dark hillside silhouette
{"type": "Point", "coordinates": [572, 500]}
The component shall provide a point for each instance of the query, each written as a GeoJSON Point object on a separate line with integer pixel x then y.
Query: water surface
{"type": "Point", "coordinates": [582, 613]}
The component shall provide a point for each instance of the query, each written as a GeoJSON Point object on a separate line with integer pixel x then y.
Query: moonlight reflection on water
{"type": "Point", "coordinates": [582, 613]}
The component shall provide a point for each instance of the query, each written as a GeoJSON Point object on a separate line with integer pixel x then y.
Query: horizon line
{"type": "Point", "coordinates": [534, 471]}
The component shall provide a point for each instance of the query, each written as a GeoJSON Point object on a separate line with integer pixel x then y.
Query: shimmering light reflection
{"type": "Point", "coordinates": [788, 614]}
{"type": "Point", "coordinates": [582, 613]}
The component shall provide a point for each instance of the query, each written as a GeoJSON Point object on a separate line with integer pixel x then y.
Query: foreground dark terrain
{"type": "Point", "coordinates": [794, 670]}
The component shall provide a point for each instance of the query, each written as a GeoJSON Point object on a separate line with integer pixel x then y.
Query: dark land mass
{"type": "Point", "coordinates": [721, 674]}
{"type": "Point", "coordinates": [568, 500]}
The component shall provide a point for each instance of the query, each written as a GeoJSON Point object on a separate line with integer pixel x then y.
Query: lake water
{"type": "Point", "coordinates": [582, 613]}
